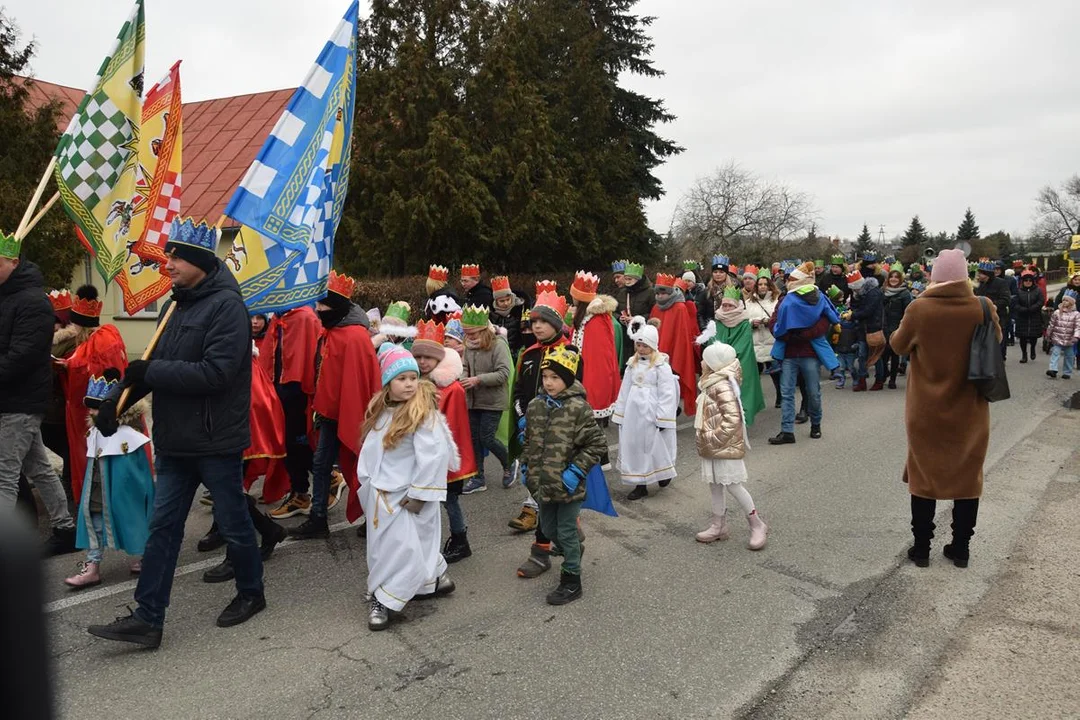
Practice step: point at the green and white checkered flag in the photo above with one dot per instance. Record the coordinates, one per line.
(97, 158)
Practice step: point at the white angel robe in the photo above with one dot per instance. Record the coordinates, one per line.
(403, 548)
(647, 404)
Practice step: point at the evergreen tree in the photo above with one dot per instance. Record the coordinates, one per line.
(28, 137)
(915, 235)
(968, 230)
(864, 243)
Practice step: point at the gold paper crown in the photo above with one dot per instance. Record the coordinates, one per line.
(561, 355)
(10, 247)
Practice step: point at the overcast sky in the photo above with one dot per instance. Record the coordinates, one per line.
(880, 109)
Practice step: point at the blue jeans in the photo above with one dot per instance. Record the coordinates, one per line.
(847, 364)
(326, 454)
(809, 368)
(483, 424)
(178, 478)
(1057, 352)
(863, 370)
(454, 513)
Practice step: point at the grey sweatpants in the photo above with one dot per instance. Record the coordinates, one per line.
(21, 450)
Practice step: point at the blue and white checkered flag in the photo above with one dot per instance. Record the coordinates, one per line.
(283, 195)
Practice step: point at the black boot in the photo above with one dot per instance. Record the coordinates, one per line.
(637, 493)
(271, 536)
(568, 591)
(922, 529)
(664, 483)
(211, 541)
(965, 513)
(815, 431)
(61, 542)
(241, 609)
(457, 547)
(783, 438)
(219, 573)
(314, 528)
(128, 629)
(802, 416)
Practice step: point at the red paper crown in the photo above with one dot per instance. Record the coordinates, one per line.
(752, 270)
(342, 285)
(546, 286)
(87, 308)
(470, 271)
(665, 280)
(854, 276)
(60, 299)
(552, 300)
(585, 286)
(430, 331)
(682, 284)
(500, 284)
(438, 273)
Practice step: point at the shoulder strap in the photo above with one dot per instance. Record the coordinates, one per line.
(986, 310)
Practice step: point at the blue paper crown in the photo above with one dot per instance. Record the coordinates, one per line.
(618, 266)
(889, 259)
(720, 260)
(870, 256)
(99, 387)
(787, 267)
(987, 266)
(187, 232)
(917, 285)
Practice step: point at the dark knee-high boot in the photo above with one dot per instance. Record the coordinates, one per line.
(964, 515)
(922, 529)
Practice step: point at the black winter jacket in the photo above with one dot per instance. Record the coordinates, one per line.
(895, 307)
(200, 372)
(637, 300)
(827, 280)
(511, 323)
(26, 331)
(480, 295)
(868, 308)
(1029, 317)
(997, 289)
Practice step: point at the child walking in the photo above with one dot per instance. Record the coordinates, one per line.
(1063, 332)
(407, 451)
(844, 340)
(118, 487)
(645, 414)
(562, 443)
(722, 443)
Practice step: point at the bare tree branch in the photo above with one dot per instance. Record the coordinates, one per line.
(1057, 212)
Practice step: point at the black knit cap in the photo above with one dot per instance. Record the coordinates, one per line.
(199, 257)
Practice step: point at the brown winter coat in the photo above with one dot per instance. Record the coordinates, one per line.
(948, 422)
(720, 435)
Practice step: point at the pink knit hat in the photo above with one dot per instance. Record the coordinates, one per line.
(949, 266)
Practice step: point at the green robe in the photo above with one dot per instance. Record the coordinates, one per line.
(741, 337)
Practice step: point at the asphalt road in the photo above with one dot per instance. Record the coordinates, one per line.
(828, 619)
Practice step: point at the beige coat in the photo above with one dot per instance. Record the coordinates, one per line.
(719, 423)
(948, 422)
(761, 309)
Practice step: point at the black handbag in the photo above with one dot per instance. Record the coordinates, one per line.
(986, 367)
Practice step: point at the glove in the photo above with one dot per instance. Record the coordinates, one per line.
(572, 477)
(412, 505)
(524, 474)
(105, 420)
(136, 372)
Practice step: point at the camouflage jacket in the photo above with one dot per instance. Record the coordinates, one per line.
(560, 431)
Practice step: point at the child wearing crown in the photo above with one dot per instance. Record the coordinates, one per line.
(595, 336)
(732, 327)
(117, 489)
(562, 443)
(677, 334)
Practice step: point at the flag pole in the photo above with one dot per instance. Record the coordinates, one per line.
(36, 199)
(154, 340)
(37, 218)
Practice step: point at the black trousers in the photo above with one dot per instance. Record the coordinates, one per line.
(298, 453)
(964, 515)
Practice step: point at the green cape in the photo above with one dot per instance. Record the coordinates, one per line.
(741, 337)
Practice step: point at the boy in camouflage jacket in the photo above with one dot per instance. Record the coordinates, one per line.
(562, 442)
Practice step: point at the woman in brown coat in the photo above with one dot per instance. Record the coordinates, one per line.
(722, 444)
(948, 422)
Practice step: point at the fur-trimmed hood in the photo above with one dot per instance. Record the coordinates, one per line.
(448, 370)
(602, 304)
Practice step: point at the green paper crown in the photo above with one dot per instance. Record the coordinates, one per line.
(833, 292)
(398, 310)
(898, 267)
(837, 260)
(733, 293)
(9, 247)
(690, 265)
(764, 273)
(819, 263)
(474, 316)
(635, 270)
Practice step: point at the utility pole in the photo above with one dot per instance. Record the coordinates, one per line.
(881, 237)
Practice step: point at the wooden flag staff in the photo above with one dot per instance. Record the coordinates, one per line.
(154, 340)
(38, 192)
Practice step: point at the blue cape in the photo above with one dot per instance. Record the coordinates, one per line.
(794, 313)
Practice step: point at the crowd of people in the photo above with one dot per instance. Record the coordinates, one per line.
(400, 409)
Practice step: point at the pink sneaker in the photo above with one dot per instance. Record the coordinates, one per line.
(758, 531)
(716, 531)
(87, 577)
(136, 566)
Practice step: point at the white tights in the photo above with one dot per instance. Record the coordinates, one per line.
(737, 490)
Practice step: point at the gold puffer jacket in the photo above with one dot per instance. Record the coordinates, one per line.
(719, 423)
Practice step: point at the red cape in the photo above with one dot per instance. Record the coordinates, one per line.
(348, 378)
(675, 342)
(691, 310)
(267, 448)
(300, 330)
(600, 374)
(104, 349)
(452, 405)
